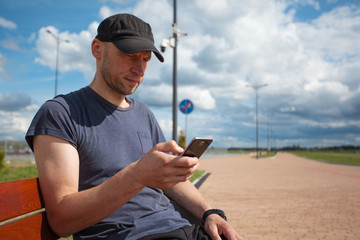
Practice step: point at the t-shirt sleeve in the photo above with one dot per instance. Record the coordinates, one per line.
(53, 118)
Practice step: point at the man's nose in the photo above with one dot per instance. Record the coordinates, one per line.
(139, 68)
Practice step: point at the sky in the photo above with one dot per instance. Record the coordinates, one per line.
(305, 54)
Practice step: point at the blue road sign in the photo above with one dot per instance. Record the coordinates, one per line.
(186, 106)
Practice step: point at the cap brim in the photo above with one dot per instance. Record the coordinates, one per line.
(133, 45)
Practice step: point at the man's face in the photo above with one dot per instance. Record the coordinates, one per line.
(123, 73)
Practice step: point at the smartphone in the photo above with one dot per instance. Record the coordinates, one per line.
(197, 147)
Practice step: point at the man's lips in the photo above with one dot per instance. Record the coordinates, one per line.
(133, 81)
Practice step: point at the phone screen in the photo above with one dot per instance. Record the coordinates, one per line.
(197, 147)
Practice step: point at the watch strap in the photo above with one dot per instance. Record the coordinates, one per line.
(213, 211)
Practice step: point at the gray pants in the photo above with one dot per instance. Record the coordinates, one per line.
(193, 232)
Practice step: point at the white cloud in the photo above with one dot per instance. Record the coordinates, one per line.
(213, 8)
(311, 68)
(288, 109)
(156, 95)
(10, 44)
(336, 89)
(3, 70)
(31, 38)
(312, 3)
(166, 126)
(106, 12)
(201, 98)
(337, 28)
(117, 1)
(161, 95)
(14, 124)
(7, 24)
(74, 50)
(258, 42)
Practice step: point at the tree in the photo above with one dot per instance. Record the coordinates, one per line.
(182, 139)
(2, 159)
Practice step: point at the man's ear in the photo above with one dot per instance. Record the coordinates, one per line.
(96, 48)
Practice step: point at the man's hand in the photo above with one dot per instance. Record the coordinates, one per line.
(161, 170)
(216, 226)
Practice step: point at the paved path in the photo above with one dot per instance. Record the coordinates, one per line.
(286, 197)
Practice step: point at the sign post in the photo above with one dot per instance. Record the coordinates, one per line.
(186, 107)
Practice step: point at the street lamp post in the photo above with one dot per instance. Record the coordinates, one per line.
(256, 88)
(174, 101)
(172, 42)
(267, 136)
(58, 41)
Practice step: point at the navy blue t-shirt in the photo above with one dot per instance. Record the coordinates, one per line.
(109, 138)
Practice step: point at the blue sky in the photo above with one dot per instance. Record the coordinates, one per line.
(306, 51)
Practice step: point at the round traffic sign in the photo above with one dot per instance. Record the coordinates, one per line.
(186, 106)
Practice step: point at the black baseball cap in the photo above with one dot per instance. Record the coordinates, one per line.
(129, 34)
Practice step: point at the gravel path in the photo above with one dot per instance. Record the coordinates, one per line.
(286, 197)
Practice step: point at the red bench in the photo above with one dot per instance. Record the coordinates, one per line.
(22, 212)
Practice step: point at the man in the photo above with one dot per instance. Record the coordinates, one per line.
(102, 159)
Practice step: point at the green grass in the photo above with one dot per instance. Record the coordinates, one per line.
(267, 155)
(238, 151)
(9, 173)
(343, 157)
(196, 175)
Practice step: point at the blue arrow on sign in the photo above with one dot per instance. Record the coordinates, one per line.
(186, 106)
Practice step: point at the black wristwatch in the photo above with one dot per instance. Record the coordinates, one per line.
(213, 211)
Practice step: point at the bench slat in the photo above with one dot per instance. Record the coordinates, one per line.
(34, 227)
(19, 197)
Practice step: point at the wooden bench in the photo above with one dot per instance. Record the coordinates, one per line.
(22, 212)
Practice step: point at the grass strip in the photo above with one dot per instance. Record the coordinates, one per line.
(196, 175)
(10, 173)
(342, 157)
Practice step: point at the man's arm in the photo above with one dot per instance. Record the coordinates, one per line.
(187, 195)
(70, 211)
